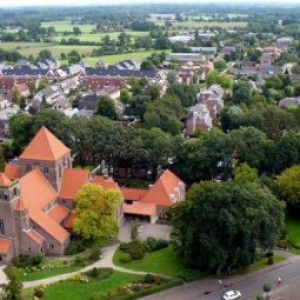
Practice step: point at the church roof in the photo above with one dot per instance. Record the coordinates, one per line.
(45, 146)
(4, 181)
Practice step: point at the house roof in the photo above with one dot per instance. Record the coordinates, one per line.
(140, 208)
(107, 183)
(4, 245)
(73, 180)
(4, 181)
(37, 193)
(45, 146)
(68, 222)
(133, 194)
(58, 213)
(160, 192)
(35, 236)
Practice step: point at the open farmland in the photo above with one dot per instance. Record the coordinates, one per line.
(62, 26)
(27, 48)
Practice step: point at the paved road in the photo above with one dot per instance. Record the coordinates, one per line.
(249, 285)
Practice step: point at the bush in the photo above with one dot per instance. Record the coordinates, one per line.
(124, 247)
(100, 273)
(190, 275)
(153, 244)
(149, 278)
(270, 260)
(125, 258)
(137, 250)
(27, 261)
(283, 244)
(39, 292)
(80, 261)
(75, 247)
(95, 254)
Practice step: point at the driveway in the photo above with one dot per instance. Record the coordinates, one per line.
(146, 230)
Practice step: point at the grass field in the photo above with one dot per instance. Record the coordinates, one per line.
(164, 261)
(293, 230)
(74, 290)
(97, 37)
(27, 48)
(61, 26)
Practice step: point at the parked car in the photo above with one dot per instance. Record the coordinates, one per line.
(232, 295)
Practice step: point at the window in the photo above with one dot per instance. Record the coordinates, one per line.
(2, 230)
(46, 169)
(59, 171)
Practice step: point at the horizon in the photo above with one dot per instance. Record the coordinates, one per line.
(82, 3)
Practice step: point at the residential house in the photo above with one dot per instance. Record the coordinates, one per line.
(185, 57)
(129, 64)
(5, 115)
(198, 118)
(152, 203)
(288, 102)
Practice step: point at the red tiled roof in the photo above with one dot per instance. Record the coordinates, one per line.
(4, 245)
(12, 171)
(133, 194)
(161, 190)
(108, 183)
(140, 208)
(4, 181)
(68, 222)
(37, 192)
(45, 146)
(35, 236)
(73, 180)
(58, 213)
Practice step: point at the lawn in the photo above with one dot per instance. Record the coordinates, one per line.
(74, 290)
(293, 229)
(164, 261)
(262, 263)
(58, 268)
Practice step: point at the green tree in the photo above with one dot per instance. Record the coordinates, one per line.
(243, 173)
(267, 289)
(2, 161)
(77, 30)
(106, 108)
(147, 65)
(288, 183)
(125, 96)
(45, 54)
(248, 215)
(220, 65)
(186, 93)
(96, 211)
(14, 286)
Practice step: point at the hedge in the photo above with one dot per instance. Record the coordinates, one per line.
(152, 290)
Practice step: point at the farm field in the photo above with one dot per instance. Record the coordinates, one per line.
(61, 26)
(97, 37)
(115, 58)
(27, 48)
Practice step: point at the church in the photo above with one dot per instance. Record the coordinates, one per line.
(37, 192)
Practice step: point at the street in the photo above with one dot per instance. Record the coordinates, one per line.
(249, 285)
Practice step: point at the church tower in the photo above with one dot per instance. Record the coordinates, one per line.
(47, 153)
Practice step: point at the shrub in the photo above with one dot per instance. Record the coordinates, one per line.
(125, 258)
(39, 292)
(124, 247)
(283, 244)
(75, 247)
(95, 254)
(270, 260)
(149, 278)
(27, 261)
(75, 277)
(137, 250)
(153, 244)
(190, 275)
(100, 273)
(79, 261)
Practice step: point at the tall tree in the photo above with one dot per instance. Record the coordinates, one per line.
(96, 211)
(106, 108)
(247, 215)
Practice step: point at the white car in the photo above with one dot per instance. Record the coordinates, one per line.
(232, 295)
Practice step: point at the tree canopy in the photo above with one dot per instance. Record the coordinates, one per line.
(96, 212)
(247, 215)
